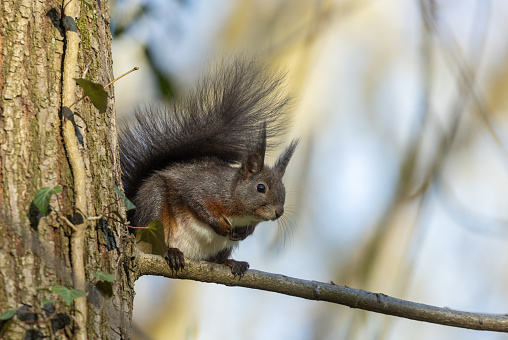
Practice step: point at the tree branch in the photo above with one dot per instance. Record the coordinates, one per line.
(313, 290)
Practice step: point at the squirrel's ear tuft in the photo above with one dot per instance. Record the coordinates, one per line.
(285, 157)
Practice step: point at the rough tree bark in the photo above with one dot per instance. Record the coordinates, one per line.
(35, 250)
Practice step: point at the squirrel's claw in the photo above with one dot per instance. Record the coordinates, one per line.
(174, 258)
(227, 221)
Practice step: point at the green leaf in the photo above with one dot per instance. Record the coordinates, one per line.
(46, 301)
(104, 276)
(128, 204)
(9, 314)
(42, 197)
(95, 92)
(105, 288)
(67, 294)
(153, 235)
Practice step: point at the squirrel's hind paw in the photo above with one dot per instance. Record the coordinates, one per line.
(174, 258)
(237, 267)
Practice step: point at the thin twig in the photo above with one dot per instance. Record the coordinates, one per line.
(123, 75)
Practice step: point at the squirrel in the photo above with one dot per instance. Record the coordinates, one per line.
(198, 164)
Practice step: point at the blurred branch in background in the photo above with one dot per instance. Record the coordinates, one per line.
(435, 30)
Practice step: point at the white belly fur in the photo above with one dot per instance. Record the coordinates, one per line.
(197, 240)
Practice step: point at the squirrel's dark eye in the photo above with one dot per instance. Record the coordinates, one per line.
(261, 188)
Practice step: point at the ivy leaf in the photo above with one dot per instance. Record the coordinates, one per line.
(153, 235)
(128, 204)
(42, 197)
(104, 276)
(9, 314)
(67, 294)
(109, 235)
(95, 92)
(46, 301)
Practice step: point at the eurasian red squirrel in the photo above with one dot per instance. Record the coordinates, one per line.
(197, 165)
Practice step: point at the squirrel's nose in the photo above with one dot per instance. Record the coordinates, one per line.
(279, 212)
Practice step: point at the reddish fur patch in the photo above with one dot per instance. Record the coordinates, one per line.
(167, 217)
(222, 209)
(218, 210)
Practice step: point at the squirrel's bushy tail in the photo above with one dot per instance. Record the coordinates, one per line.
(224, 117)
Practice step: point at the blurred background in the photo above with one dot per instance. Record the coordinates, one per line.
(399, 184)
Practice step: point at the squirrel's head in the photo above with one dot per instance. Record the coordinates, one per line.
(261, 186)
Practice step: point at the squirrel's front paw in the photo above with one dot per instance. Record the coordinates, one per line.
(174, 258)
(221, 226)
(240, 233)
(237, 267)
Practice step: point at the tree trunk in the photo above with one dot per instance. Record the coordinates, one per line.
(35, 249)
